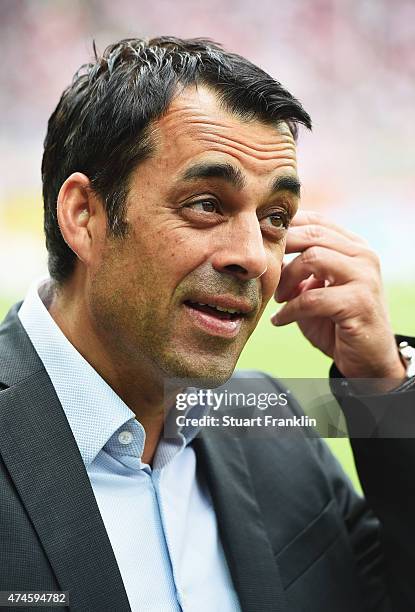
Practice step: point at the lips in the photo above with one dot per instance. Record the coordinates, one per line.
(215, 311)
(218, 315)
(222, 304)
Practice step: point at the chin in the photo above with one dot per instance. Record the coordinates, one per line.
(207, 372)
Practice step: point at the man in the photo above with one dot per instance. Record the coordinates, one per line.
(170, 181)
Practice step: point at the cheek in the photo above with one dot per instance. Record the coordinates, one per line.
(178, 254)
(270, 283)
(271, 278)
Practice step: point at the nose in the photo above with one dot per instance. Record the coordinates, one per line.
(241, 251)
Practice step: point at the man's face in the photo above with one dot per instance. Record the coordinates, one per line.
(208, 215)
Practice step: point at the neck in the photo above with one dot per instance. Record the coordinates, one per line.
(137, 384)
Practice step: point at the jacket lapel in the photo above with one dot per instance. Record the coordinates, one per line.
(43, 459)
(247, 548)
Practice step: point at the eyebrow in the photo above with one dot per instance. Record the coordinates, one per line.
(286, 183)
(226, 172)
(234, 176)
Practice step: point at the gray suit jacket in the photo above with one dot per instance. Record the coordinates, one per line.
(295, 534)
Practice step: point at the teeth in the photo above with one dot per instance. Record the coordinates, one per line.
(230, 310)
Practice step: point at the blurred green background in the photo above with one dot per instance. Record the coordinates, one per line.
(285, 353)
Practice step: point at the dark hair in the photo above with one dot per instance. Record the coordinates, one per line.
(102, 123)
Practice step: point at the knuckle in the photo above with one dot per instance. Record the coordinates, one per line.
(309, 299)
(353, 327)
(362, 303)
(311, 255)
(372, 282)
(365, 304)
(314, 232)
(372, 256)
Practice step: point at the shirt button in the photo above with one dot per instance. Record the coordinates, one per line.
(125, 437)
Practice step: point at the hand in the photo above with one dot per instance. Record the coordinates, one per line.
(334, 292)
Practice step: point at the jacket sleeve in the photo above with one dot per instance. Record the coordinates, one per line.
(381, 526)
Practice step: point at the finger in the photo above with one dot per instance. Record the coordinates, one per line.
(309, 283)
(311, 217)
(304, 236)
(324, 264)
(327, 302)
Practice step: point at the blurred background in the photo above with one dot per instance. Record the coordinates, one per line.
(350, 62)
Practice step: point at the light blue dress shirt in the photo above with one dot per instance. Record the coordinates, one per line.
(160, 520)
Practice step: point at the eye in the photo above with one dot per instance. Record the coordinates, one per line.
(278, 220)
(207, 206)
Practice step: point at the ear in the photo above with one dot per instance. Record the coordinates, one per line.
(81, 217)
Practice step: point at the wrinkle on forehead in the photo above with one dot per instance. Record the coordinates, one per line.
(196, 120)
(282, 149)
(197, 116)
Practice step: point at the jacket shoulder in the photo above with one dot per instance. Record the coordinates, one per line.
(18, 358)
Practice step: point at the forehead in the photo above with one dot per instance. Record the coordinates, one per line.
(197, 127)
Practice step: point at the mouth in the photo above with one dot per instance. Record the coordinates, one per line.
(219, 317)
